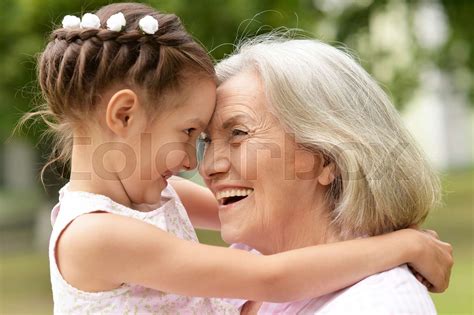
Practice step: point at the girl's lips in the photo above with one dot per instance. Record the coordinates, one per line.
(167, 175)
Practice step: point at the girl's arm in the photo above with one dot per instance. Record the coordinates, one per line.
(200, 203)
(202, 208)
(101, 249)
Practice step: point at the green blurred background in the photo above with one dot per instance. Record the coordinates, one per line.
(421, 51)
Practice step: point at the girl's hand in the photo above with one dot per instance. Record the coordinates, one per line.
(433, 260)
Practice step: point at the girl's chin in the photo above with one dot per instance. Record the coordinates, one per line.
(162, 182)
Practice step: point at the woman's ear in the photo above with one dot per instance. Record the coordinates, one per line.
(328, 172)
(123, 112)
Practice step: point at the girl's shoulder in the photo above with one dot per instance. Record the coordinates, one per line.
(93, 236)
(116, 262)
(170, 215)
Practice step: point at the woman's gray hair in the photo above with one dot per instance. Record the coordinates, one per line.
(334, 107)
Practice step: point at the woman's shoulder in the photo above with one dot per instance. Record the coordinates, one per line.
(395, 291)
(398, 279)
(394, 288)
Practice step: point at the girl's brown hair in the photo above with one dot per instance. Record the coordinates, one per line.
(78, 65)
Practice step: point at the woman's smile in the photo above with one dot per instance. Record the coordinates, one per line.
(231, 203)
(232, 195)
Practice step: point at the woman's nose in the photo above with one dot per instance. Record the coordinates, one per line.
(215, 161)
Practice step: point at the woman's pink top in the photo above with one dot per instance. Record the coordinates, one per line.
(393, 292)
(129, 298)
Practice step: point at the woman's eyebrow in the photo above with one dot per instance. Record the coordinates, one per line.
(234, 120)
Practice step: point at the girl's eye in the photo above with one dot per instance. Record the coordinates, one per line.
(204, 138)
(239, 133)
(189, 131)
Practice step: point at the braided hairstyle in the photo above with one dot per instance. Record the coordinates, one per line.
(78, 65)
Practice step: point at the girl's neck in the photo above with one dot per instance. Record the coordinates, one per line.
(100, 175)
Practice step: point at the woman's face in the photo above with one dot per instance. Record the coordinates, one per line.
(267, 187)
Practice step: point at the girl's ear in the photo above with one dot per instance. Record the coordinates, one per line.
(123, 112)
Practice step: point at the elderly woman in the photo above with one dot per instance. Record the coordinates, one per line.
(304, 148)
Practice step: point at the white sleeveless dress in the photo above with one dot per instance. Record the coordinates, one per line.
(128, 299)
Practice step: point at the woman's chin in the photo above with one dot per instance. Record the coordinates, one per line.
(229, 235)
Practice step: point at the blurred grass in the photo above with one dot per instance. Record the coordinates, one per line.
(454, 222)
(25, 286)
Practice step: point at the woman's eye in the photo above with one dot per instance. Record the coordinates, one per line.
(202, 143)
(238, 133)
(204, 138)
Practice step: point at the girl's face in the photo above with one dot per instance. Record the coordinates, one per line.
(174, 133)
(168, 143)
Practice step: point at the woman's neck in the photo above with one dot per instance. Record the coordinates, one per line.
(311, 227)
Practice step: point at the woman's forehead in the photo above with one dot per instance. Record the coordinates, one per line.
(241, 95)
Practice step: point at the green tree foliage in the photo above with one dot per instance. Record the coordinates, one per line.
(219, 24)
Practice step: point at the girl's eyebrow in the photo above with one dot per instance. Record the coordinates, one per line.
(197, 121)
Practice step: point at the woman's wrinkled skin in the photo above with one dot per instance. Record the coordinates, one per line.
(248, 147)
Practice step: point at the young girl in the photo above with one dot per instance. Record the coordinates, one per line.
(130, 91)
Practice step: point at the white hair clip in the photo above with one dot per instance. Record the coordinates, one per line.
(148, 25)
(116, 22)
(90, 20)
(71, 21)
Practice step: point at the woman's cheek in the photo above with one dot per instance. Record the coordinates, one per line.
(246, 160)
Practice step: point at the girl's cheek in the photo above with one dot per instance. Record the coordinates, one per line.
(170, 159)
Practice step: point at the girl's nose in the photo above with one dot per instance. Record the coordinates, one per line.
(190, 161)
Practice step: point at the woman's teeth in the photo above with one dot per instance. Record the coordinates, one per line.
(232, 195)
